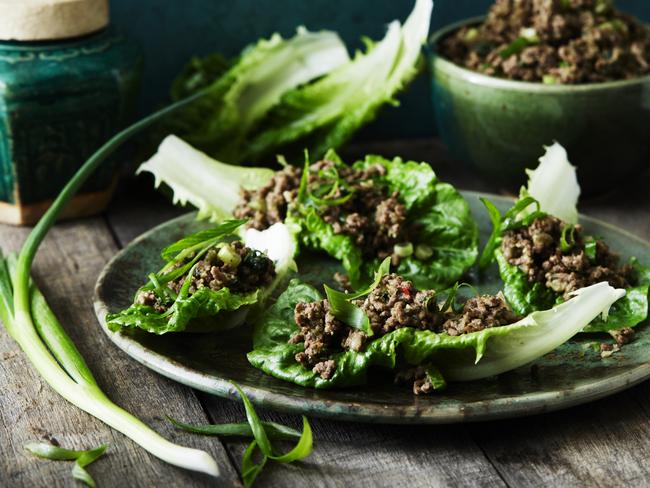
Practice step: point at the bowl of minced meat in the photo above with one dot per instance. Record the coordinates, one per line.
(532, 72)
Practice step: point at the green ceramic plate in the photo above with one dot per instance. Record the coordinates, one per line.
(572, 374)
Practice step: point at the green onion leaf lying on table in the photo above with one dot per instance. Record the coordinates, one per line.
(262, 433)
(81, 458)
(242, 429)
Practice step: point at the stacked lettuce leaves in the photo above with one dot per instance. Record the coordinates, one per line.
(285, 95)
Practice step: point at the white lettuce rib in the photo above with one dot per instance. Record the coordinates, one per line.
(535, 335)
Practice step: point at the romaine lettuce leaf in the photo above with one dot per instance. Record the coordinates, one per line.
(324, 114)
(235, 100)
(525, 297)
(443, 219)
(199, 312)
(554, 184)
(460, 358)
(209, 185)
(553, 189)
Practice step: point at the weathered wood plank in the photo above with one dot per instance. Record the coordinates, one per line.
(347, 454)
(66, 268)
(604, 443)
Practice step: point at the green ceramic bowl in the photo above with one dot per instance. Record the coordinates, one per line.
(498, 126)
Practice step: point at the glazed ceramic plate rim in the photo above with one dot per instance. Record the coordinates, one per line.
(506, 406)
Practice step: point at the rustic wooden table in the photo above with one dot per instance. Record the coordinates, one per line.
(604, 443)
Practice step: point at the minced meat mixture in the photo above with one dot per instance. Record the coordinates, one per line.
(364, 209)
(537, 251)
(393, 304)
(243, 270)
(553, 41)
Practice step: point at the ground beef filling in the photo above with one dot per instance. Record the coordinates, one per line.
(537, 251)
(554, 41)
(233, 266)
(364, 209)
(394, 304)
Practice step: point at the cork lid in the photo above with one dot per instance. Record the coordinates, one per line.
(40, 20)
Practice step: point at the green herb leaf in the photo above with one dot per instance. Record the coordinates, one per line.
(250, 470)
(273, 430)
(200, 240)
(255, 423)
(517, 216)
(349, 313)
(302, 449)
(493, 241)
(516, 46)
(567, 238)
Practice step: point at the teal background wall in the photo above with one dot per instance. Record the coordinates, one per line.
(171, 31)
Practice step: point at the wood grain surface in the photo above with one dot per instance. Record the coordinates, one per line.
(605, 443)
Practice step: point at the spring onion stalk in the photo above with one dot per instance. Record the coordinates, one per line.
(34, 327)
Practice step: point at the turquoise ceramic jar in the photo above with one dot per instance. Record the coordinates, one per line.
(498, 126)
(59, 102)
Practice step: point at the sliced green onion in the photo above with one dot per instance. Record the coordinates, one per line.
(567, 238)
(229, 256)
(81, 458)
(403, 250)
(423, 252)
(549, 80)
(590, 249)
(471, 34)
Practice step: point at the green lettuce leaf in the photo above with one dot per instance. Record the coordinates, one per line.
(630, 310)
(205, 310)
(443, 218)
(194, 178)
(441, 215)
(237, 98)
(324, 114)
(199, 312)
(459, 358)
(525, 297)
